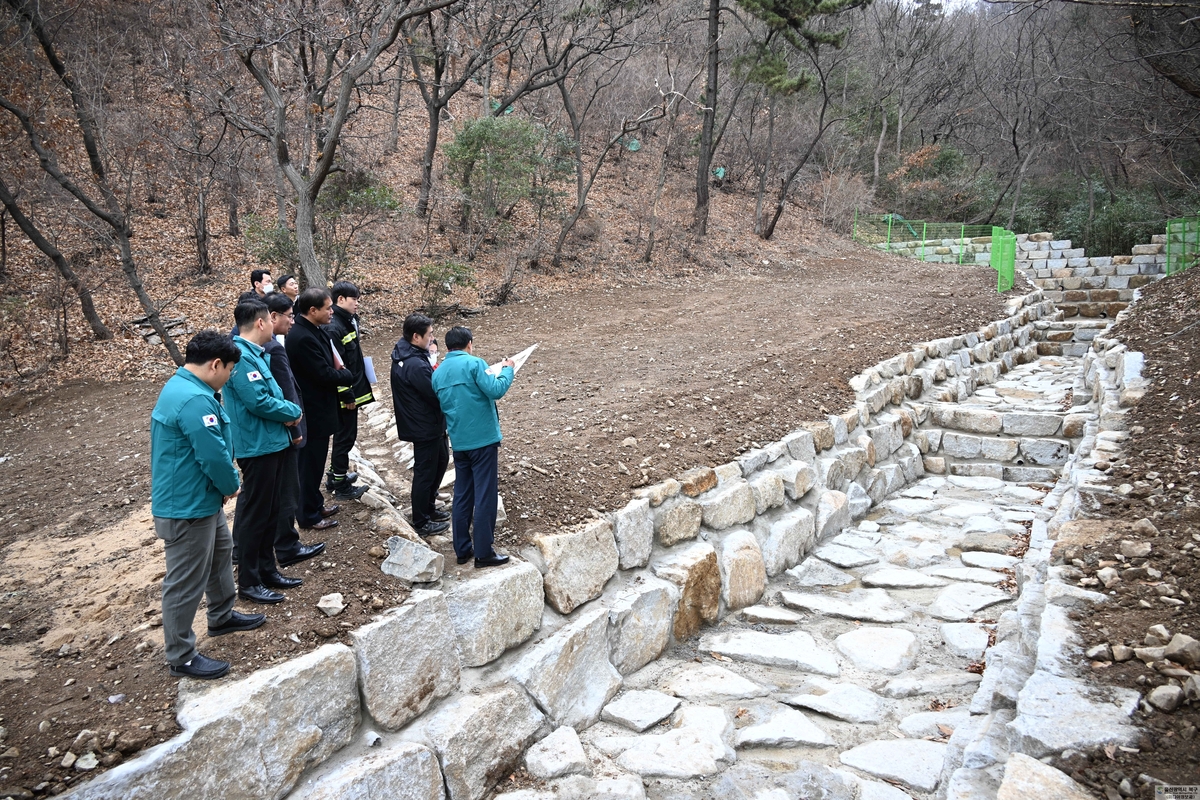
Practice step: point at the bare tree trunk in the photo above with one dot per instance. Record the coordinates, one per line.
(672, 115)
(1012, 213)
(232, 190)
(99, 329)
(704, 162)
(314, 273)
(281, 193)
(201, 231)
(431, 141)
(878, 150)
(393, 138)
(4, 243)
(766, 167)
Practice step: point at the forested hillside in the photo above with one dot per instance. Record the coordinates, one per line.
(464, 152)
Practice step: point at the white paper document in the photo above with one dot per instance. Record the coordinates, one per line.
(519, 359)
(369, 364)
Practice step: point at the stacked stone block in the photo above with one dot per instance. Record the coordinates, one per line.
(969, 250)
(1098, 287)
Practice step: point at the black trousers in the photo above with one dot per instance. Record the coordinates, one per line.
(311, 469)
(473, 515)
(257, 514)
(343, 440)
(287, 538)
(430, 459)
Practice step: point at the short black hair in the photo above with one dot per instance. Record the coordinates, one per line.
(210, 344)
(416, 325)
(256, 275)
(278, 303)
(248, 311)
(343, 289)
(313, 297)
(250, 295)
(289, 277)
(458, 337)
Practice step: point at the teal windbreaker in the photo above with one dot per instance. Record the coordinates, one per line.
(191, 450)
(468, 398)
(256, 405)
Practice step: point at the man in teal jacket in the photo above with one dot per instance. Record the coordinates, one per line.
(261, 417)
(468, 395)
(191, 475)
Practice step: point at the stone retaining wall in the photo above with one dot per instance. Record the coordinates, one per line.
(470, 675)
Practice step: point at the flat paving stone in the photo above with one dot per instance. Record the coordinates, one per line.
(887, 650)
(794, 650)
(708, 681)
(929, 683)
(916, 763)
(931, 723)
(856, 539)
(845, 557)
(976, 483)
(969, 574)
(867, 605)
(815, 572)
(901, 578)
(912, 507)
(975, 558)
(787, 727)
(842, 701)
(639, 710)
(966, 639)
(961, 601)
(965, 510)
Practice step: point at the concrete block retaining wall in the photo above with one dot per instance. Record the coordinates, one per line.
(470, 674)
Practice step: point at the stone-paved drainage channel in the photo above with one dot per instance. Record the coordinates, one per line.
(859, 674)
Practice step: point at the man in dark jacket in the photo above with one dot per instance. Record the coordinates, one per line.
(419, 420)
(289, 549)
(343, 330)
(311, 356)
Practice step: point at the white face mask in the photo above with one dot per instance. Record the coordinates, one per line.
(268, 287)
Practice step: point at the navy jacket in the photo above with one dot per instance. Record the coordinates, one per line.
(281, 369)
(419, 415)
(311, 356)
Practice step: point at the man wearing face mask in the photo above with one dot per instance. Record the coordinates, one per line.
(261, 283)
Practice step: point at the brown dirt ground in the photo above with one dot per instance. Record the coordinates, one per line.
(1160, 463)
(710, 366)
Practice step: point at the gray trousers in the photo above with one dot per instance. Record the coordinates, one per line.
(199, 561)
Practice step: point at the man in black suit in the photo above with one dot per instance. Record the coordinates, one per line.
(289, 549)
(311, 355)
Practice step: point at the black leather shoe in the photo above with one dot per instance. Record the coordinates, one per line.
(466, 558)
(494, 560)
(260, 594)
(273, 580)
(237, 622)
(305, 552)
(440, 516)
(329, 511)
(431, 527)
(201, 667)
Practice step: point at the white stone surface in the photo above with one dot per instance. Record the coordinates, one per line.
(929, 683)
(560, 753)
(965, 639)
(407, 659)
(901, 578)
(768, 491)
(695, 571)
(787, 539)
(247, 738)
(577, 564)
(786, 728)
(412, 562)
(867, 605)
(833, 514)
(710, 682)
(845, 557)
(478, 737)
(569, 673)
(916, 763)
(639, 623)
(975, 558)
(1056, 713)
(633, 532)
(932, 723)
(961, 601)
(402, 770)
(1026, 778)
(889, 651)
(639, 710)
(697, 747)
(815, 572)
(969, 574)
(842, 701)
(770, 615)
(728, 505)
(794, 650)
(495, 609)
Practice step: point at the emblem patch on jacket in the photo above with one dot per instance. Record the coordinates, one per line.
(254, 375)
(210, 420)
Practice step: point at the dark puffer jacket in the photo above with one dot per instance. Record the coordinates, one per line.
(343, 330)
(419, 416)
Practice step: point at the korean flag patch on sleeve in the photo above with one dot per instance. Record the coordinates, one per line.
(254, 375)
(210, 420)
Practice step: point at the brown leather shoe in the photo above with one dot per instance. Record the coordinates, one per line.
(323, 525)
(329, 511)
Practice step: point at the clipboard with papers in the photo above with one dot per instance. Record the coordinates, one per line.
(519, 359)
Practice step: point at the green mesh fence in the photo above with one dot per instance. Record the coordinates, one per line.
(941, 242)
(1182, 246)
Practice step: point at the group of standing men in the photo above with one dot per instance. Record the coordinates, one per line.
(294, 377)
